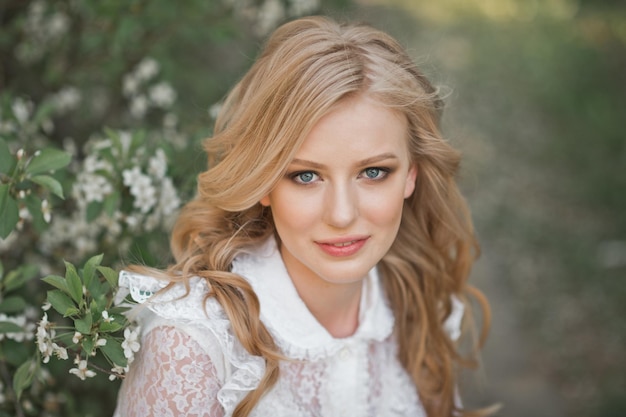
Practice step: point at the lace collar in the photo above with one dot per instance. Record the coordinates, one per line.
(294, 328)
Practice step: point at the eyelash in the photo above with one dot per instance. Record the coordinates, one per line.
(383, 173)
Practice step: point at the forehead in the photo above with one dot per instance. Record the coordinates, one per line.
(357, 126)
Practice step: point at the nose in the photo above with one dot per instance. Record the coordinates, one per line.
(341, 206)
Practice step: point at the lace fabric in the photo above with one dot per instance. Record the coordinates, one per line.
(171, 376)
(356, 376)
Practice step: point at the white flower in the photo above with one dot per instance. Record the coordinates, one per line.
(162, 95)
(138, 107)
(168, 200)
(141, 189)
(106, 317)
(45, 210)
(125, 139)
(131, 343)
(24, 213)
(117, 372)
(22, 109)
(157, 165)
(131, 85)
(59, 351)
(132, 221)
(21, 321)
(57, 25)
(44, 338)
(170, 120)
(214, 110)
(270, 13)
(77, 337)
(147, 69)
(82, 372)
(66, 99)
(101, 342)
(91, 187)
(302, 7)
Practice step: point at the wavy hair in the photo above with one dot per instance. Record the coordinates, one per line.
(306, 68)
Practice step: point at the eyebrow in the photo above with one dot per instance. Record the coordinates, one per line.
(366, 161)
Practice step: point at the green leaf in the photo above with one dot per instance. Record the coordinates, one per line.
(9, 213)
(114, 351)
(111, 326)
(118, 310)
(10, 327)
(83, 325)
(74, 284)
(43, 111)
(7, 161)
(72, 311)
(58, 282)
(110, 275)
(95, 288)
(12, 304)
(111, 202)
(33, 202)
(60, 302)
(94, 209)
(48, 160)
(18, 277)
(49, 183)
(88, 344)
(24, 377)
(15, 353)
(90, 268)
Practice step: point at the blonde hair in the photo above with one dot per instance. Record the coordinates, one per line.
(306, 68)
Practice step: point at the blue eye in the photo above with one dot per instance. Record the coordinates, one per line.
(375, 173)
(305, 177)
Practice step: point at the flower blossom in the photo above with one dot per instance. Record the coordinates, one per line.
(147, 69)
(26, 334)
(81, 371)
(45, 211)
(162, 95)
(139, 107)
(131, 343)
(117, 372)
(106, 317)
(141, 188)
(22, 109)
(66, 99)
(44, 338)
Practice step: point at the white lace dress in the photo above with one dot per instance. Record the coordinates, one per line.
(191, 364)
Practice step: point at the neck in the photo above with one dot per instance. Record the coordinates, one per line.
(335, 307)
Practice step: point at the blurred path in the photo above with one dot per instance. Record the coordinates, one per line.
(512, 372)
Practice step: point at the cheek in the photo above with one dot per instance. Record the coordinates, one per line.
(384, 209)
(293, 212)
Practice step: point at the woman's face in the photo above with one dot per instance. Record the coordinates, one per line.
(338, 208)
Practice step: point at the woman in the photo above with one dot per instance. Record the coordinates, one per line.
(322, 267)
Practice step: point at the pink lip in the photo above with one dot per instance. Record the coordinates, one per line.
(344, 246)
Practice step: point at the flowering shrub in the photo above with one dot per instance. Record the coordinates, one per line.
(97, 151)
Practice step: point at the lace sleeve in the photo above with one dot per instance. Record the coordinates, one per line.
(171, 376)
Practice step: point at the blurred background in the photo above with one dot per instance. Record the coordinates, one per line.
(536, 100)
